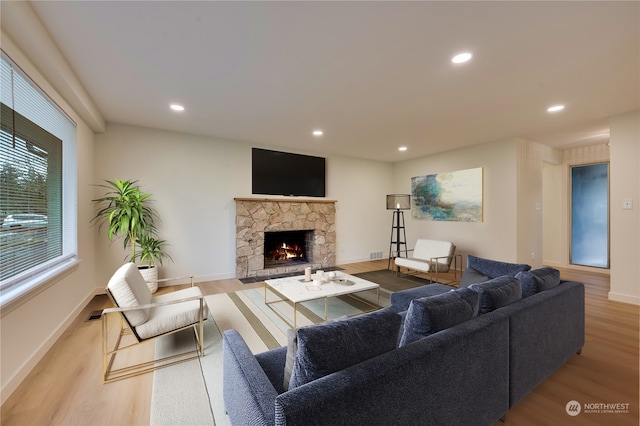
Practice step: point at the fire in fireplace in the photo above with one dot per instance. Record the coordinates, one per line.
(286, 247)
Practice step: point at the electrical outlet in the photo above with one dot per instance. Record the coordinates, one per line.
(627, 204)
(533, 255)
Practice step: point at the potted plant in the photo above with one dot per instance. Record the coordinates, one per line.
(151, 251)
(126, 212)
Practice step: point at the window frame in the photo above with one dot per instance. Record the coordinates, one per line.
(39, 108)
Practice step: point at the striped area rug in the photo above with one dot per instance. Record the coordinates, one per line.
(263, 329)
(191, 393)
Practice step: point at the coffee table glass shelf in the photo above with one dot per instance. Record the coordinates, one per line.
(296, 291)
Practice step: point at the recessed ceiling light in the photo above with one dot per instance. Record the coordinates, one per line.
(177, 107)
(462, 57)
(402, 148)
(555, 108)
(318, 133)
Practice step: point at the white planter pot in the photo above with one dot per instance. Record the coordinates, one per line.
(150, 275)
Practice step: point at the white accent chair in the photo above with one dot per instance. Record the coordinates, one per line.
(432, 257)
(145, 317)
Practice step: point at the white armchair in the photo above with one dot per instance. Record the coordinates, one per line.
(432, 257)
(146, 317)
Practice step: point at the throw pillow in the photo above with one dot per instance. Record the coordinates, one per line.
(538, 280)
(429, 315)
(333, 346)
(471, 276)
(497, 293)
(292, 349)
(494, 268)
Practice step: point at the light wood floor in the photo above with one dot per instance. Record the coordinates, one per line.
(65, 387)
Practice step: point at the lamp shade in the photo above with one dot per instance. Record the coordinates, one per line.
(398, 202)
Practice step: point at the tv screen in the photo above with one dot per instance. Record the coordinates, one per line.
(284, 173)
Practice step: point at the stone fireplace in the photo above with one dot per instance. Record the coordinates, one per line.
(312, 220)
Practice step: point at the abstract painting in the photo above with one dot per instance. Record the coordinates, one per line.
(453, 196)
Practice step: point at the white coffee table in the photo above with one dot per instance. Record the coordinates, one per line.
(296, 290)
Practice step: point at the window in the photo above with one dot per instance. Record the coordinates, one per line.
(590, 215)
(37, 185)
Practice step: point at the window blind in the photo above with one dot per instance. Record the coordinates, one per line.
(37, 184)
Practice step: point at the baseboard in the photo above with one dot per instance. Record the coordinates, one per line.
(13, 383)
(624, 298)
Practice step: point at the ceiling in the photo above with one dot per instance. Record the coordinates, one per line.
(372, 75)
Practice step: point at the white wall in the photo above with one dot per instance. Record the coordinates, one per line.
(554, 212)
(194, 180)
(31, 326)
(363, 223)
(529, 202)
(496, 237)
(625, 224)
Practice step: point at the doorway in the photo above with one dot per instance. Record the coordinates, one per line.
(590, 215)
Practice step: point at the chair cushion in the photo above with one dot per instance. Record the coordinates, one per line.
(426, 249)
(471, 276)
(128, 288)
(429, 315)
(333, 346)
(494, 268)
(163, 319)
(497, 293)
(538, 280)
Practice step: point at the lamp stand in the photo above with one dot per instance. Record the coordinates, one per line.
(397, 238)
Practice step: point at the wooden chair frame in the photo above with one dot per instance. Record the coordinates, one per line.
(108, 354)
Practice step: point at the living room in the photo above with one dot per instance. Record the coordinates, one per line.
(195, 178)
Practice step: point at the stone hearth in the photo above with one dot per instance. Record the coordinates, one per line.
(254, 216)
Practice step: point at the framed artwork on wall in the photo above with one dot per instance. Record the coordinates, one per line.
(452, 196)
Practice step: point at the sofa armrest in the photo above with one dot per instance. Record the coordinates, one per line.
(273, 362)
(545, 330)
(247, 391)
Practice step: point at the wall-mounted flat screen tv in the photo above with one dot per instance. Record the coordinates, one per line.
(284, 173)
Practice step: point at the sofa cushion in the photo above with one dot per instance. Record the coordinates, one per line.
(400, 300)
(429, 315)
(497, 293)
(292, 349)
(333, 346)
(471, 276)
(538, 280)
(494, 268)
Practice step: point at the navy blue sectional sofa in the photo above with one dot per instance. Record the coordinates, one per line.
(465, 356)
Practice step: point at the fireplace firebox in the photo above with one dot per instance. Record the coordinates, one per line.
(287, 247)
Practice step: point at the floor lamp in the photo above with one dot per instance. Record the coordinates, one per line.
(398, 203)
